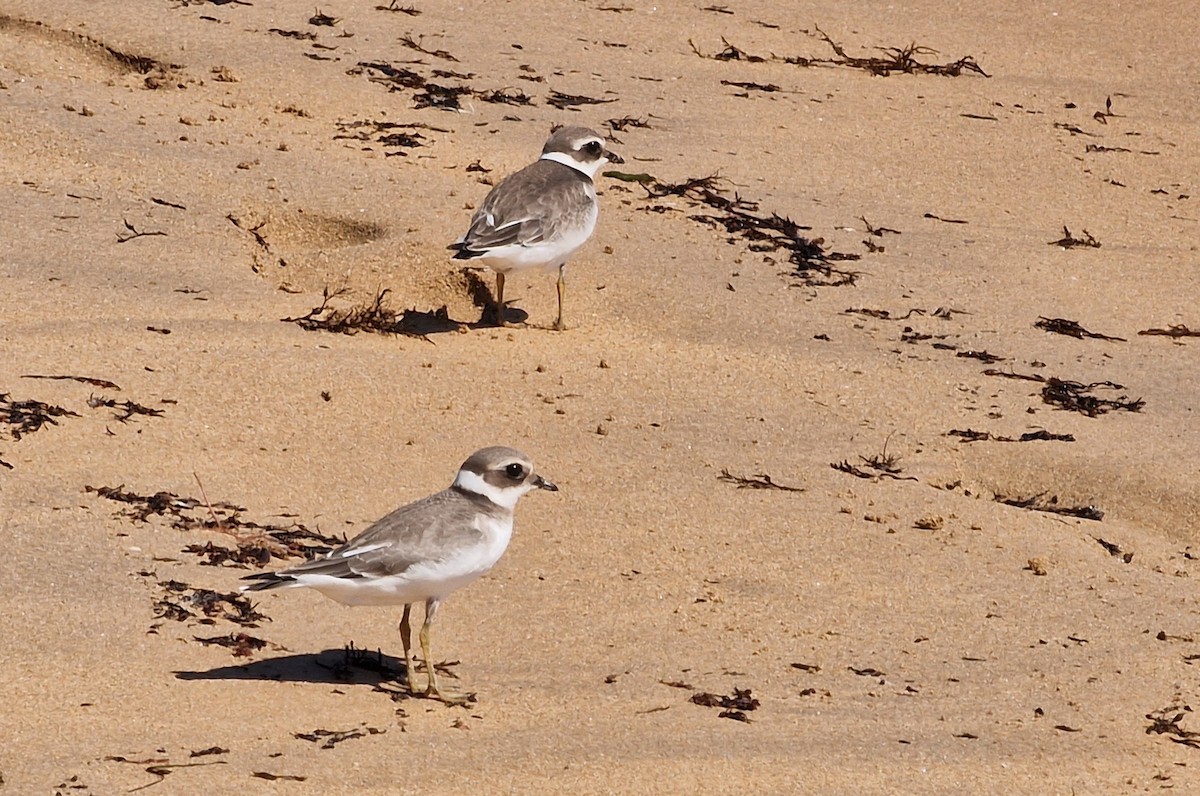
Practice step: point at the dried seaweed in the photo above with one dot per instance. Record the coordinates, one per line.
(756, 481)
(564, 101)
(133, 232)
(241, 645)
(373, 317)
(625, 122)
(160, 767)
(102, 383)
(255, 543)
(300, 35)
(733, 706)
(1162, 722)
(767, 88)
(181, 602)
(124, 410)
(504, 96)
(394, 136)
(412, 12)
(970, 435)
(331, 738)
(412, 44)
(322, 20)
(1174, 330)
(1069, 241)
(943, 313)
(764, 233)
(258, 238)
(435, 95)
(295, 777)
(1071, 329)
(903, 60)
(26, 417)
(982, 356)
(1040, 502)
(1074, 396)
(1114, 549)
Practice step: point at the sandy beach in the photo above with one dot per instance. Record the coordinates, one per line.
(875, 423)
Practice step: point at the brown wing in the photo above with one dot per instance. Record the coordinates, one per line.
(432, 528)
(525, 208)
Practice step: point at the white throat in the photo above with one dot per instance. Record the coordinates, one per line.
(589, 169)
(504, 498)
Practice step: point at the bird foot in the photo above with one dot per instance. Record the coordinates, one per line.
(448, 697)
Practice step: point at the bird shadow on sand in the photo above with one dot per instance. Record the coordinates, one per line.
(347, 666)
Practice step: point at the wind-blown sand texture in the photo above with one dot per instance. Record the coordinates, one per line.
(179, 176)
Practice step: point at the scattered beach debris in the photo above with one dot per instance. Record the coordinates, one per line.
(101, 383)
(983, 356)
(373, 317)
(901, 60)
(286, 777)
(435, 95)
(409, 10)
(160, 767)
(564, 101)
(971, 435)
(124, 410)
(1071, 329)
(1076, 397)
(1050, 505)
(1069, 241)
(259, 239)
(734, 706)
(256, 543)
(1114, 549)
(242, 645)
(883, 465)
(133, 232)
(1174, 330)
(331, 738)
(393, 136)
(179, 598)
(1165, 721)
(28, 416)
(740, 218)
(942, 313)
(756, 481)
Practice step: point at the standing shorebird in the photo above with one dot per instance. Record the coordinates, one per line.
(541, 215)
(425, 550)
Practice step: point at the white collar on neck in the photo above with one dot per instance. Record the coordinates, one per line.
(587, 169)
(473, 482)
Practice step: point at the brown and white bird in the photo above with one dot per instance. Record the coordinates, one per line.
(423, 551)
(539, 216)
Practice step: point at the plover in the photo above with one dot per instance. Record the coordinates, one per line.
(425, 550)
(541, 215)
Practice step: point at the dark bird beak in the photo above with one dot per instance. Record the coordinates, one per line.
(542, 483)
(613, 157)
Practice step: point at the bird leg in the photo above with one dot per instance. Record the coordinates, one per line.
(431, 606)
(500, 299)
(562, 289)
(406, 641)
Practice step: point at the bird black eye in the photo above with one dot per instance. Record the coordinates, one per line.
(515, 471)
(593, 147)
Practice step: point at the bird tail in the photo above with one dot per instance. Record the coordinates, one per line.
(262, 581)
